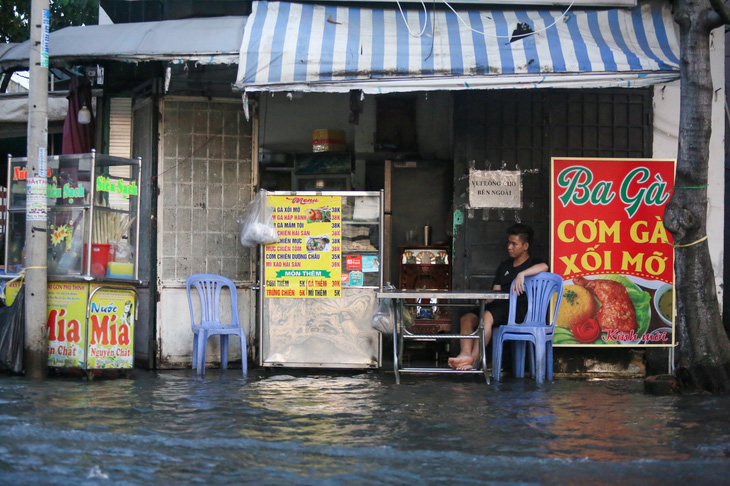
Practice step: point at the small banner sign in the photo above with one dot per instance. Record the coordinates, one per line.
(495, 189)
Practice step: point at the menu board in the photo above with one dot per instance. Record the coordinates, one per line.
(610, 247)
(306, 262)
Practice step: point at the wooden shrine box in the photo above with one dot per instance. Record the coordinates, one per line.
(426, 267)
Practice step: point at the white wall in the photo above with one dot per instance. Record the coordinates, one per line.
(286, 125)
(175, 336)
(666, 130)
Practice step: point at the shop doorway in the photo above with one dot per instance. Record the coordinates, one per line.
(418, 193)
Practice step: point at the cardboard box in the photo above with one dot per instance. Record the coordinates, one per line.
(328, 140)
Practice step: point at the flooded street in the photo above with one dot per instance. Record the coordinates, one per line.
(175, 428)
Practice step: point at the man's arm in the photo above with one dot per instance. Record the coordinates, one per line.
(519, 284)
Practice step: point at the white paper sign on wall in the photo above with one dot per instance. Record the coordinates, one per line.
(495, 189)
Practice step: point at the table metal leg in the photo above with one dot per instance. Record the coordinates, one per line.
(396, 343)
(401, 335)
(482, 344)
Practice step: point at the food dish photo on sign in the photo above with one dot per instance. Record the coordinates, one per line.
(319, 215)
(610, 246)
(614, 309)
(319, 243)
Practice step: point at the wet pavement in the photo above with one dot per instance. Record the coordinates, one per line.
(172, 427)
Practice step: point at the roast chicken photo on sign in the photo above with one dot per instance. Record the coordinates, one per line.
(617, 310)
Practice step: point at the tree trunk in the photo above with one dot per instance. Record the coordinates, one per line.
(704, 348)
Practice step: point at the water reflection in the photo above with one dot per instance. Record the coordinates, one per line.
(633, 424)
(174, 427)
(317, 410)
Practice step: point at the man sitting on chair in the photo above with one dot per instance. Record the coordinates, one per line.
(516, 268)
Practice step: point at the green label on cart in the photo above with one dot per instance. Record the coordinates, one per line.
(106, 184)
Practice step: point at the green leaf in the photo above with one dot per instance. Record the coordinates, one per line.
(564, 336)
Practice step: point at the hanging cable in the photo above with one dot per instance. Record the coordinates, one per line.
(406, 21)
(508, 36)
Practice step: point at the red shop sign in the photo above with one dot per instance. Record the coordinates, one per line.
(607, 227)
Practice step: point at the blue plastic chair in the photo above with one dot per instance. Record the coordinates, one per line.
(209, 287)
(535, 329)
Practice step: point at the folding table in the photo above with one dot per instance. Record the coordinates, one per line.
(446, 298)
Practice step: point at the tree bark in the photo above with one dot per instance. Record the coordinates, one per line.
(704, 348)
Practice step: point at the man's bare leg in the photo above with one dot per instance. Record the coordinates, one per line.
(488, 323)
(469, 347)
(468, 323)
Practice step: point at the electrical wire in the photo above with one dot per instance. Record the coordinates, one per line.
(509, 36)
(406, 21)
(469, 27)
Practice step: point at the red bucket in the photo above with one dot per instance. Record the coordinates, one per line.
(99, 258)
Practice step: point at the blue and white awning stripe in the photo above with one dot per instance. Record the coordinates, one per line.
(291, 46)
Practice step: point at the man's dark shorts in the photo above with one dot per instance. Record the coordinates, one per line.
(499, 310)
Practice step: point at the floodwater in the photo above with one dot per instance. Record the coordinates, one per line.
(172, 427)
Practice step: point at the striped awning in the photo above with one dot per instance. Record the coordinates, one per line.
(307, 47)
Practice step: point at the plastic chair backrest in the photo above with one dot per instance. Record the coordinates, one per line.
(209, 288)
(539, 290)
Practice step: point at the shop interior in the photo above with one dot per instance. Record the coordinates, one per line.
(398, 143)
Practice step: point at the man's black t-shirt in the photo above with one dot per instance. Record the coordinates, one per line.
(505, 275)
(507, 272)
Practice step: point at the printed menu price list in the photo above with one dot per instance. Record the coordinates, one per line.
(305, 263)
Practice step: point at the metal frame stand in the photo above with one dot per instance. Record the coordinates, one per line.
(444, 298)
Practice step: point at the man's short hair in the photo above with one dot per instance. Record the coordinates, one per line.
(523, 231)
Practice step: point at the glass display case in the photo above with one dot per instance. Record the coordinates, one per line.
(93, 233)
(93, 206)
(361, 240)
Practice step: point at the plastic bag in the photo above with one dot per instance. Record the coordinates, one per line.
(122, 251)
(12, 334)
(383, 317)
(256, 225)
(405, 313)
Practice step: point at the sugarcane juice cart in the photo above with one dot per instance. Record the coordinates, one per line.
(93, 234)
